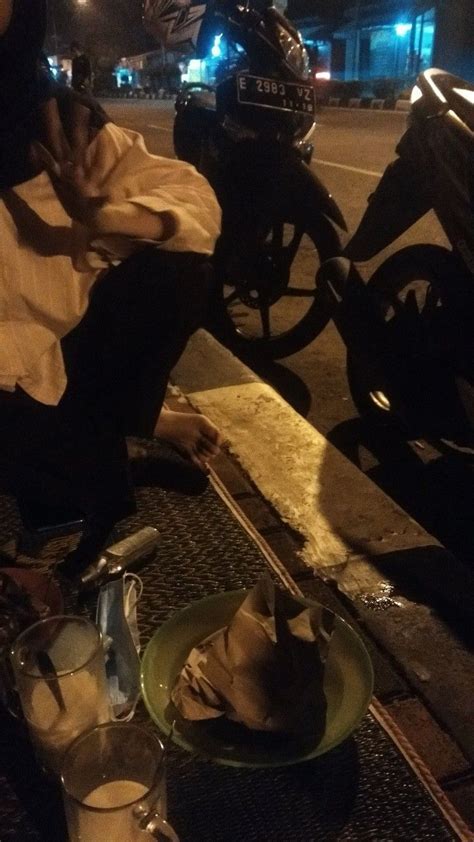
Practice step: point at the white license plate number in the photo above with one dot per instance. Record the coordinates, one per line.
(271, 93)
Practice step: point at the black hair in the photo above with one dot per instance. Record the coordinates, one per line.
(27, 81)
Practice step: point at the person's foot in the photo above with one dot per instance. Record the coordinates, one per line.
(195, 436)
(97, 535)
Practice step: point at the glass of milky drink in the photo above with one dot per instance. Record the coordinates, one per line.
(114, 786)
(59, 671)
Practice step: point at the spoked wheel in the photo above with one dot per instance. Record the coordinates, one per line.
(270, 307)
(416, 387)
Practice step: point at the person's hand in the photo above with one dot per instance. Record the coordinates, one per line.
(76, 184)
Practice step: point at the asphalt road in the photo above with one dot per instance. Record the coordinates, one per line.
(352, 149)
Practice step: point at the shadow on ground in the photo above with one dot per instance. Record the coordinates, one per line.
(438, 494)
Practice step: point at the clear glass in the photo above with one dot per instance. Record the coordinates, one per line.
(59, 671)
(114, 786)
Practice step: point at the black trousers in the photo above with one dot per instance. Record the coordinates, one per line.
(118, 359)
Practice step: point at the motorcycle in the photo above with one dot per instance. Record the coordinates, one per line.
(409, 330)
(250, 136)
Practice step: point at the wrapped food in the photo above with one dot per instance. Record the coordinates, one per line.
(265, 669)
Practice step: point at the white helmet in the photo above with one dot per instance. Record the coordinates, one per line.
(174, 22)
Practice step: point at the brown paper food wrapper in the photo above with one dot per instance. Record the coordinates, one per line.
(265, 669)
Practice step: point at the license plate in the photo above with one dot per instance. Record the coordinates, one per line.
(271, 93)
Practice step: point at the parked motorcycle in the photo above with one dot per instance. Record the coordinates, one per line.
(409, 331)
(250, 136)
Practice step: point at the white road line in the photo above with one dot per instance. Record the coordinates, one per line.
(346, 167)
(160, 128)
(316, 160)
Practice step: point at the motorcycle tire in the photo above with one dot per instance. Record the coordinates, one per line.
(186, 142)
(416, 393)
(295, 313)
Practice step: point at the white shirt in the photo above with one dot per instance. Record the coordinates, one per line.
(48, 263)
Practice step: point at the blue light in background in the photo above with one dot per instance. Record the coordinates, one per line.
(216, 47)
(402, 29)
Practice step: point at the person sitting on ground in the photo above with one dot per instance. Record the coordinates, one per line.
(104, 275)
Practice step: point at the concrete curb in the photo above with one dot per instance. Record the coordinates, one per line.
(268, 437)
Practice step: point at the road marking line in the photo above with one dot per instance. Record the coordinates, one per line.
(159, 128)
(346, 167)
(316, 160)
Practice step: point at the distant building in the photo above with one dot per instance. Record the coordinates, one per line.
(394, 38)
(168, 69)
(381, 40)
(147, 71)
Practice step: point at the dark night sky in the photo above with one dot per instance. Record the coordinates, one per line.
(323, 9)
(107, 28)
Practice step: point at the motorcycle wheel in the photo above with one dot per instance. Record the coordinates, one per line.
(278, 312)
(417, 390)
(186, 142)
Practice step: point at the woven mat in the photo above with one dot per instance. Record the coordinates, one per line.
(363, 790)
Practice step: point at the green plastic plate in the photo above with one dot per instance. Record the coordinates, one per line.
(348, 686)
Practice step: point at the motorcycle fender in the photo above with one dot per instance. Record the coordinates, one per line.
(312, 195)
(399, 200)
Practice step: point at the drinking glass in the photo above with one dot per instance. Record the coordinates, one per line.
(114, 786)
(59, 671)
